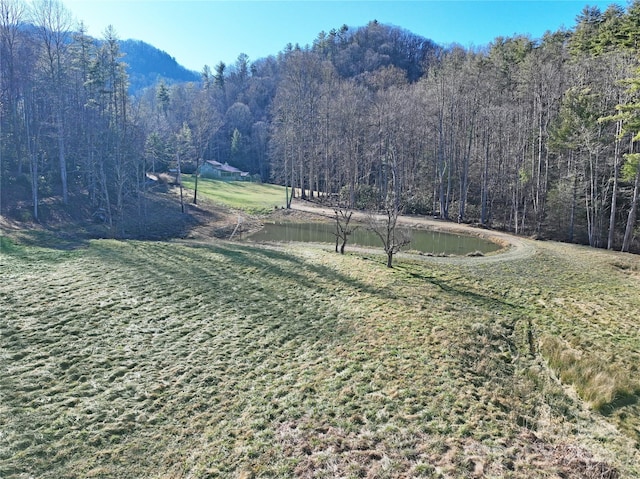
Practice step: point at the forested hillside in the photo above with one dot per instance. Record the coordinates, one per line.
(146, 66)
(534, 136)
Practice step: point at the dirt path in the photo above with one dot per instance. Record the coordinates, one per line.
(514, 247)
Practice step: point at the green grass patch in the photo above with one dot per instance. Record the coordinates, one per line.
(254, 198)
(143, 359)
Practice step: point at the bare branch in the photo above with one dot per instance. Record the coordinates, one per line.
(343, 227)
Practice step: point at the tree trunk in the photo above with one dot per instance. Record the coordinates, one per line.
(614, 193)
(195, 188)
(515, 206)
(34, 185)
(179, 180)
(62, 158)
(287, 196)
(464, 183)
(485, 182)
(106, 196)
(33, 160)
(303, 193)
(631, 219)
(572, 218)
(464, 179)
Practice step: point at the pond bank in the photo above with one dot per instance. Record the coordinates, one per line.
(514, 247)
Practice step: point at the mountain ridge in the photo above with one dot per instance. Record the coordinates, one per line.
(147, 64)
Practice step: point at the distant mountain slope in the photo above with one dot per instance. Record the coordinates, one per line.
(147, 64)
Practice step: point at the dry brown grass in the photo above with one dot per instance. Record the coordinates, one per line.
(597, 381)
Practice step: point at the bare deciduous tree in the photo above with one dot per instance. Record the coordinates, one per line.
(205, 121)
(385, 226)
(344, 227)
(53, 22)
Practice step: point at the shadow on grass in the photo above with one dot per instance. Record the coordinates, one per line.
(298, 270)
(22, 245)
(179, 263)
(237, 285)
(622, 399)
(484, 300)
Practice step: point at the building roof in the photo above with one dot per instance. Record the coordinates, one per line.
(226, 167)
(230, 169)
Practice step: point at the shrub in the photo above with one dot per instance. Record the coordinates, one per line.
(365, 197)
(419, 205)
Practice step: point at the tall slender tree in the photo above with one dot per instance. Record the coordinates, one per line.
(53, 23)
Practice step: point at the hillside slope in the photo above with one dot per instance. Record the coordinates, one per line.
(215, 359)
(146, 65)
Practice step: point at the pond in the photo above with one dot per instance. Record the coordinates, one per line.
(425, 241)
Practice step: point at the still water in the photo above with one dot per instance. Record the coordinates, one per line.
(426, 241)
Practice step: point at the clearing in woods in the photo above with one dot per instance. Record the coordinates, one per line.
(253, 198)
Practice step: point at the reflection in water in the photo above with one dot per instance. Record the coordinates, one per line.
(426, 241)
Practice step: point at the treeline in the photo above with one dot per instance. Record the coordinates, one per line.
(534, 136)
(68, 128)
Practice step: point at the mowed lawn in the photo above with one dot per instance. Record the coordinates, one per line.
(254, 198)
(156, 360)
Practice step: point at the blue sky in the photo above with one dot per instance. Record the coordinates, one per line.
(199, 32)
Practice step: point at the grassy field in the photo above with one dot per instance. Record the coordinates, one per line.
(254, 198)
(177, 360)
